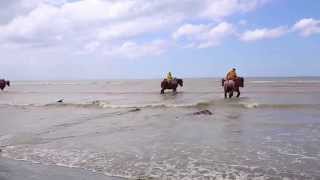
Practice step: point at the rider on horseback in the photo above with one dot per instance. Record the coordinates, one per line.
(169, 77)
(232, 75)
(171, 83)
(232, 83)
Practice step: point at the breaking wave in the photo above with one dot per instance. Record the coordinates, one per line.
(278, 106)
(176, 166)
(107, 105)
(202, 104)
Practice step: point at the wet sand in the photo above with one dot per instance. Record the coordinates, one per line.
(18, 170)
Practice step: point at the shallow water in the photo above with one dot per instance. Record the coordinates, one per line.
(127, 129)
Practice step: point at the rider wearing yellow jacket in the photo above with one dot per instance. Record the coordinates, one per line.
(169, 77)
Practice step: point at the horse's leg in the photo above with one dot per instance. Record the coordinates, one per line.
(174, 90)
(230, 94)
(238, 95)
(162, 91)
(225, 93)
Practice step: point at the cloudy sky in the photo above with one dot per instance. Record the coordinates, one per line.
(104, 39)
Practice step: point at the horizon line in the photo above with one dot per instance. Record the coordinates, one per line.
(204, 77)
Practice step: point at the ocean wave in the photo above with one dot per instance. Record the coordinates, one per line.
(174, 167)
(202, 104)
(253, 105)
(107, 105)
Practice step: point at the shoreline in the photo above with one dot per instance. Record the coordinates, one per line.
(19, 169)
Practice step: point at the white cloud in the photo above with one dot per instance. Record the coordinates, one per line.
(91, 46)
(190, 30)
(218, 9)
(260, 34)
(136, 27)
(126, 49)
(132, 50)
(307, 27)
(91, 24)
(203, 36)
(34, 3)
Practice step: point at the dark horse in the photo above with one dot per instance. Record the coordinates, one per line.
(171, 85)
(4, 83)
(231, 86)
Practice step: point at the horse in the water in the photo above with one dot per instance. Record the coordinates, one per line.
(173, 84)
(231, 86)
(4, 83)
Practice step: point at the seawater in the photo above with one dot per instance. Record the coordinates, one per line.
(126, 128)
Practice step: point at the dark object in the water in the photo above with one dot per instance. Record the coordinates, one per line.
(135, 110)
(203, 112)
(60, 101)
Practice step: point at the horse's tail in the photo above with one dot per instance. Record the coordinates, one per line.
(8, 83)
(241, 82)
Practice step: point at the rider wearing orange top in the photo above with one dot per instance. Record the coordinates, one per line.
(232, 75)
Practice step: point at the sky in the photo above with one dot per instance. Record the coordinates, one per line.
(121, 39)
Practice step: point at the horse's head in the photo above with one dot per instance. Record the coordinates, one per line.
(180, 82)
(241, 82)
(8, 83)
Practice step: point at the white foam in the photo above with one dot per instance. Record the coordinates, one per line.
(251, 105)
(103, 104)
(134, 168)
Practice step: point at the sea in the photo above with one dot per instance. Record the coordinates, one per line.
(127, 129)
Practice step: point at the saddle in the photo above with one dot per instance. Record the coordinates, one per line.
(240, 79)
(223, 81)
(173, 81)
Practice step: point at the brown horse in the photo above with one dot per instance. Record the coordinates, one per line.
(231, 86)
(171, 85)
(4, 83)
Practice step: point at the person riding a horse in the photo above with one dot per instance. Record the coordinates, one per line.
(232, 75)
(232, 83)
(170, 83)
(169, 77)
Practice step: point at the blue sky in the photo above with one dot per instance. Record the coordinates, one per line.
(103, 39)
